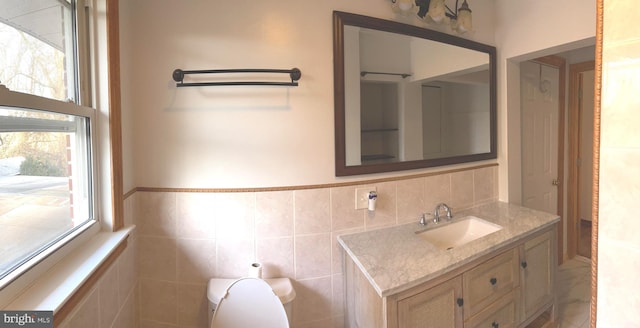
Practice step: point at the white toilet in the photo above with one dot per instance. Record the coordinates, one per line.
(250, 302)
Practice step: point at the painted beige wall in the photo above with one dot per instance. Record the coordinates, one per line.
(126, 82)
(235, 136)
(618, 242)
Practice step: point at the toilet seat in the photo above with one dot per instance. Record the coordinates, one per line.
(249, 302)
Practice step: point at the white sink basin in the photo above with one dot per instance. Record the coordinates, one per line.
(457, 233)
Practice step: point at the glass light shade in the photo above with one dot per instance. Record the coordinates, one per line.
(464, 21)
(454, 24)
(405, 5)
(437, 10)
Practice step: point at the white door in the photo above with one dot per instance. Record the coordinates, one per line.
(539, 103)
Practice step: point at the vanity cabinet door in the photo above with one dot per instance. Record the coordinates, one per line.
(537, 272)
(437, 307)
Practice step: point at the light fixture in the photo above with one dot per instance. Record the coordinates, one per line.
(462, 21)
(436, 11)
(403, 7)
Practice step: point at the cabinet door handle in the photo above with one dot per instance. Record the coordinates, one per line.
(523, 264)
(495, 325)
(493, 281)
(460, 302)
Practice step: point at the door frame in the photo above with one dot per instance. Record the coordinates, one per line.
(574, 142)
(561, 64)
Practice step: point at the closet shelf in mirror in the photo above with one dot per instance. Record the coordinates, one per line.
(379, 130)
(404, 75)
(375, 157)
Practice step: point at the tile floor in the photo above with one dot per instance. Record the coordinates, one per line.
(574, 293)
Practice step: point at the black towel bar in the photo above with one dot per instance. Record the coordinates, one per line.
(178, 76)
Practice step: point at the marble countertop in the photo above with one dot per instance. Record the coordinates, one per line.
(395, 259)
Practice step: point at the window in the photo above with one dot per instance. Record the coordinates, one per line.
(46, 170)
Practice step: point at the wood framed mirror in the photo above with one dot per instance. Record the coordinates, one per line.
(408, 97)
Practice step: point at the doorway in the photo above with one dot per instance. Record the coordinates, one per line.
(542, 83)
(580, 184)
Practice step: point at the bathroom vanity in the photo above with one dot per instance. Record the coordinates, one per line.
(402, 277)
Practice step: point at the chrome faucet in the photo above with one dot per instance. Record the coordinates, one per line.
(436, 212)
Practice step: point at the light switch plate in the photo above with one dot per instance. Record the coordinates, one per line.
(362, 197)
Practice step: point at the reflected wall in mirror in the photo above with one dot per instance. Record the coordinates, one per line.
(407, 97)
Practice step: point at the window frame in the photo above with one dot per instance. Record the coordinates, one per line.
(22, 100)
(86, 90)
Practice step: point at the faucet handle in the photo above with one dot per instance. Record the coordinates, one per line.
(449, 213)
(424, 218)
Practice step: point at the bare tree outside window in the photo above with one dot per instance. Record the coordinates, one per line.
(35, 67)
(30, 65)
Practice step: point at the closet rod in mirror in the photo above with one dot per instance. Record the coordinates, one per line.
(404, 75)
(178, 76)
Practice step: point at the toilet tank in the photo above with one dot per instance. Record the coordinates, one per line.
(282, 287)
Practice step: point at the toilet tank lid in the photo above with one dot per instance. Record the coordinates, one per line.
(281, 287)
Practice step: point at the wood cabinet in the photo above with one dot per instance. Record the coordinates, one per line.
(434, 307)
(538, 273)
(512, 287)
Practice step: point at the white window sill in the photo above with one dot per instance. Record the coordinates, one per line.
(54, 288)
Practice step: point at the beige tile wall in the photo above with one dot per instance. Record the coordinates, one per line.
(618, 242)
(186, 238)
(112, 301)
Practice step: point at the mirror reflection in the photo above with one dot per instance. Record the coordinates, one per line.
(411, 101)
(419, 99)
